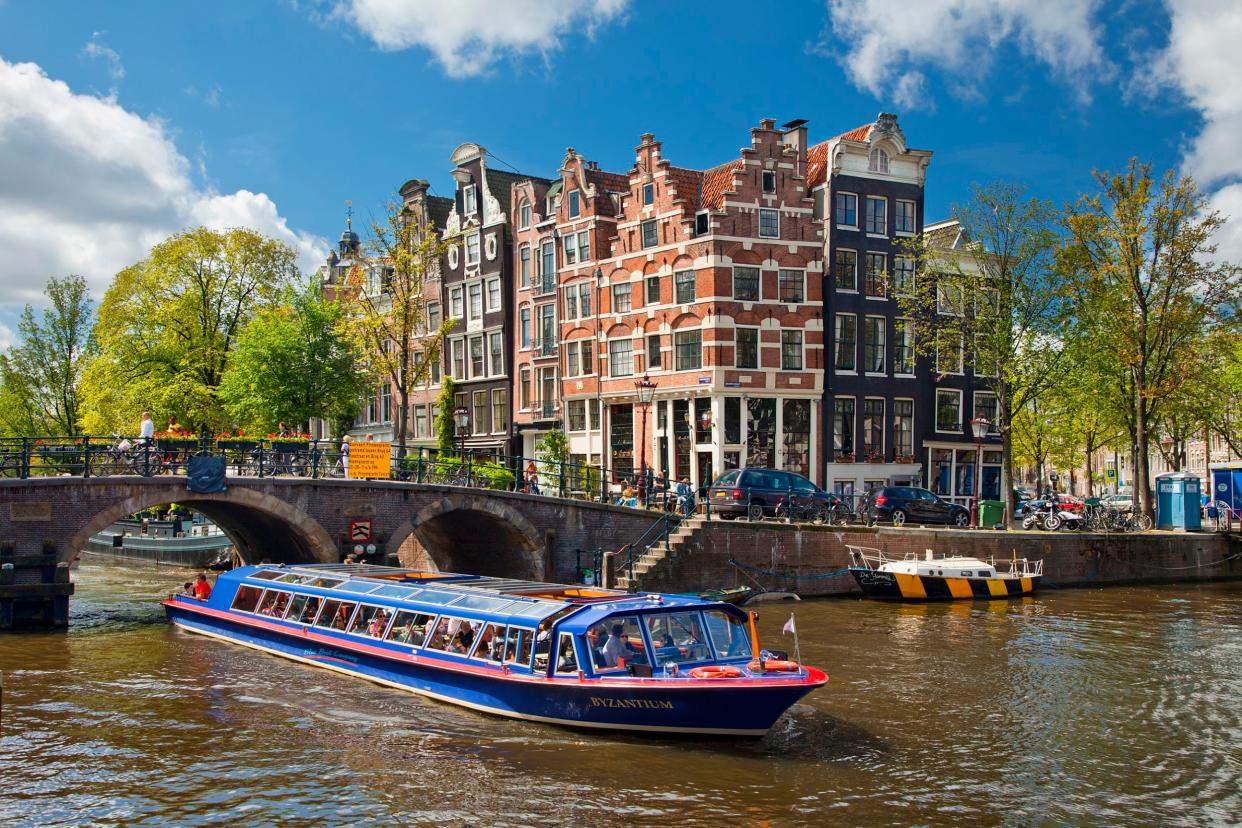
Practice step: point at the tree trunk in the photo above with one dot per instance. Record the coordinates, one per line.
(404, 409)
(1090, 473)
(1142, 483)
(1006, 480)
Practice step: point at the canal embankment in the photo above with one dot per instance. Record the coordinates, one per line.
(810, 560)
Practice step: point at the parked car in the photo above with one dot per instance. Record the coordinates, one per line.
(910, 504)
(755, 492)
(1118, 501)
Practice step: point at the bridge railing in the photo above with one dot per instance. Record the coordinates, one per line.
(96, 456)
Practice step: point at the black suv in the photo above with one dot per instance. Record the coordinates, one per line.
(756, 492)
(910, 504)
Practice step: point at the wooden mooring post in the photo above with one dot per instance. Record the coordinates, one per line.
(34, 590)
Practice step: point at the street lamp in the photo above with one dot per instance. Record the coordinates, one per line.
(646, 390)
(461, 418)
(979, 426)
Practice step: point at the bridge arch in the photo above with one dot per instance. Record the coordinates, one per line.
(477, 534)
(259, 524)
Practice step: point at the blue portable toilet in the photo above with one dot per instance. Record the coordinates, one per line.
(1227, 485)
(1177, 501)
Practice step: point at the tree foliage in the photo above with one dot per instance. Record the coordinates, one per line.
(168, 326)
(41, 373)
(446, 429)
(291, 363)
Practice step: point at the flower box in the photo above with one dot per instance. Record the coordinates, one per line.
(237, 444)
(903, 458)
(845, 458)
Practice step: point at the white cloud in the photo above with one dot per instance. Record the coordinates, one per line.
(88, 187)
(888, 41)
(8, 337)
(1202, 60)
(468, 36)
(95, 48)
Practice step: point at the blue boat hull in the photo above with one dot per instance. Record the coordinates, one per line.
(745, 707)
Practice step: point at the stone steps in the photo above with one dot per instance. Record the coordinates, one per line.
(657, 554)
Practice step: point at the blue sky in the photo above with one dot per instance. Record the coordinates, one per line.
(121, 122)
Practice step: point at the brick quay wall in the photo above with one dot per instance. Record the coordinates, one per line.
(803, 559)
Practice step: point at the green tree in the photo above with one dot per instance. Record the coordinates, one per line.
(168, 326)
(1148, 290)
(553, 453)
(291, 363)
(40, 375)
(446, 429)
(987, 294)
(387, 296)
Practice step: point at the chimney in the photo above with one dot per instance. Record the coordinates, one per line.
(795, 136)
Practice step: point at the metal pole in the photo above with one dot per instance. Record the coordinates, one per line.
(974, 513)
(789, 505)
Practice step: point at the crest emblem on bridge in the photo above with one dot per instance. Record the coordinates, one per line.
(359, 530)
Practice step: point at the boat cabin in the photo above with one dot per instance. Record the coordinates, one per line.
(522, 627)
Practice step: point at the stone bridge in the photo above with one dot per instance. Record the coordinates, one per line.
(297, 520)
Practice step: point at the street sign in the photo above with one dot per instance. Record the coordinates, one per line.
(370, 461)
(1110, 473)
(359, 530)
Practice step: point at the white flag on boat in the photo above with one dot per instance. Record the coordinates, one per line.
(789, 626)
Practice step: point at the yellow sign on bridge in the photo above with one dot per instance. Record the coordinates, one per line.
(370, 461)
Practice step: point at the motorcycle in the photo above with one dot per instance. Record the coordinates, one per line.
(1050, 515)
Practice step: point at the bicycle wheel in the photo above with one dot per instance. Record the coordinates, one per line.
(1142, 522)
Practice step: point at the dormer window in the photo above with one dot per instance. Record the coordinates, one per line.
(575, 203)
(878, 161)
(648, 194)
(769, 181)
(469, 200)
(524, 215)
(700, 223)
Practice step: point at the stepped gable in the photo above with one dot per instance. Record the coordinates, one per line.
(686, 183)
(717, 181)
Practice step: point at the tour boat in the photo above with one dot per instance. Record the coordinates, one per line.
(932, 578)
(568, 655)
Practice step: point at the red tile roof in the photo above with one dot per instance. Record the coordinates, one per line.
(609, 181)
(856, 134)
(816, 164)
(687, 184)
(716, 181)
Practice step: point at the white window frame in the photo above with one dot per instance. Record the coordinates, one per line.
(472, 249)
(655, 233)
(854, 281)
(612, 361)
(936, 411)
(836, 219)
(908, 329)
(569, 248)
(861, 454)
(488, 305)
(677, 352)
(648, 194)
(629, 294)
(961, 356)
(469, 200)
(769, 212)
(893, 425)
(758, 346)
(801, 348)
(758, 283)
(878, 161)
(974, 409)
(914, 223)
(879, 234)
(836, 343)
(457, 301)
(764, 178)
(573, 203)
(883, 372)
(802, 285)
(524, 214)
(584, 246)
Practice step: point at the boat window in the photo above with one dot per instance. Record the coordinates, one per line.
(327, 583)
(518, 646)
(452, 635)
(247, 598)
(481, 602)
(729, 635)
(358, 586)
(296, 606)
(370, 621)
(336, 614)
(538, 610)
(266, 575)
(274, 603)
(566, 656)
(965, 573)
(985, 573)
(293, 578)
(677, 637)
(410, 627)
(491, 643)
(432, 596)
(307, 612)
(394, 592)
(615, 642)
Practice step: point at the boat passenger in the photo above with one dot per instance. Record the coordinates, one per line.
(202, 589)
(342, 617)
(189, 589)
(614, 647)
(543, 639)
(376, 627)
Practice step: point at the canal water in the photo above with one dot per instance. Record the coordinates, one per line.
(1090, 707)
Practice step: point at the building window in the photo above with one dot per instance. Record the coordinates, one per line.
(584, 246)
(573, 367)
(949, 300)
(948, 410)
(700, 224)
(496, 351)
(575, 203)
(985, 407)
(455, 303)
(620, 358)
(791, 350)
(846, 208)
(648, 194)
(903, 275)
(472, 249)
(654, 358)
(459, 358)
(524, 388)
(746, 283)
(688, 346)
(649, 233)
(683, 286)
(746, 347)
(621, 298)
(878, 161)
(524, 215)
(576, 410)
(477, 366)
(903, 342)
(653, 290)
(420, 421)
(433, 370)
(469, 200)
(547, 337)
(588, 356)
(733, 420)
(792, 286)
(873, 283)
(386, 403)
(474, 301)
(904, 220)
(873, 430)
(433, 317)
(547, 268)
(571, 302)
(846, 341)
(769, 181)
(843, 425)
(524, 326)
(493, 295)
(481, 424)
(877, 215)
(769, 223)
(584, 299)
(571, 248)
(903, 429)
(873, 345)
(846, 269)
(500, 409)
(948, 353)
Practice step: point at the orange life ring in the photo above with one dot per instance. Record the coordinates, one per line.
(782, 666)
(716, 671)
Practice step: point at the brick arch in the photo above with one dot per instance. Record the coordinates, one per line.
(260, 525)
(619, 329)
(478, 534)
(685, 321)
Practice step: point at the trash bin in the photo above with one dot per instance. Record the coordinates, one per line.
(1177, 501)
(991, 513)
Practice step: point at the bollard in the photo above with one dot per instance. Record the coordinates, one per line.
(789, 504)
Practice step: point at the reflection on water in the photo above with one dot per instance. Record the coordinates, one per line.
(1089, 707)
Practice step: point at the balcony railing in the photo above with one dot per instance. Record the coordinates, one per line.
(545, 285)
(546, 348)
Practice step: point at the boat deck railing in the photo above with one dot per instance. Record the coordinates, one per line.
(869, 557)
